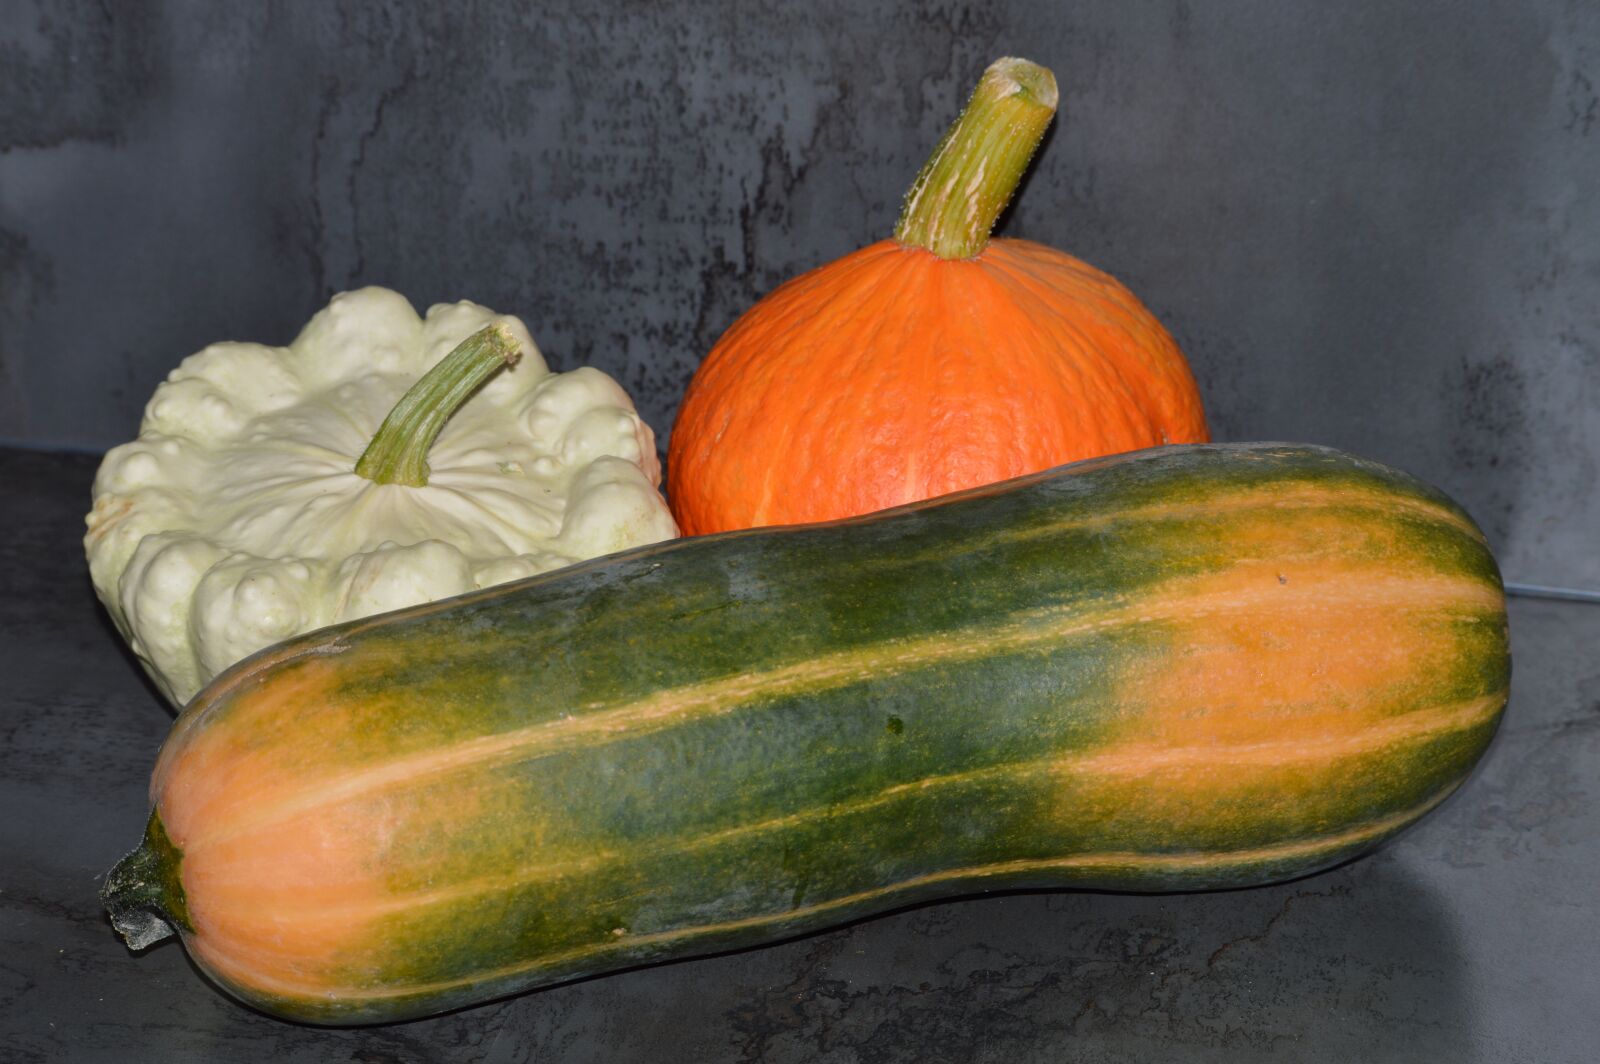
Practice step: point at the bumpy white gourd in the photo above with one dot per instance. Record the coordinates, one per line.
(236, 519)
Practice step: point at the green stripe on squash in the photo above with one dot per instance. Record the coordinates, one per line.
(1186, 668)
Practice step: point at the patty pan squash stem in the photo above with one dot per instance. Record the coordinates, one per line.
(398, 453)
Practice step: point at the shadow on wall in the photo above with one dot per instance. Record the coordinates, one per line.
(1415, 357)
(1359, 964)
(1361, 235)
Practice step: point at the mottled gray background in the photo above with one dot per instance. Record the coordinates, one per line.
(1369, 224)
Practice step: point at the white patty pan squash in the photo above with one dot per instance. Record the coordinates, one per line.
(237, 518)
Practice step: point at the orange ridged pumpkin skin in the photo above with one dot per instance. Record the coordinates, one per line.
(893, 375)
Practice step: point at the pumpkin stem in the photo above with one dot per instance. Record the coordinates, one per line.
(398, 453)
(956, 199)
(143, 893)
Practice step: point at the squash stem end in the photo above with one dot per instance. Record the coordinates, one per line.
(143, 893)
(398, 453)
(964, 186)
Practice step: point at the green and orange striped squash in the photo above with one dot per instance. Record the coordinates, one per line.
(1191, 667)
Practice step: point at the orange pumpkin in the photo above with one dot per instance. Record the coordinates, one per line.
(935, 361)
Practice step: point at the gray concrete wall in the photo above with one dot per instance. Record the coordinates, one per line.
(1370, 224)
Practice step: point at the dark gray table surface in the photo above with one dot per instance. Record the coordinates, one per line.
(1473, 937)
